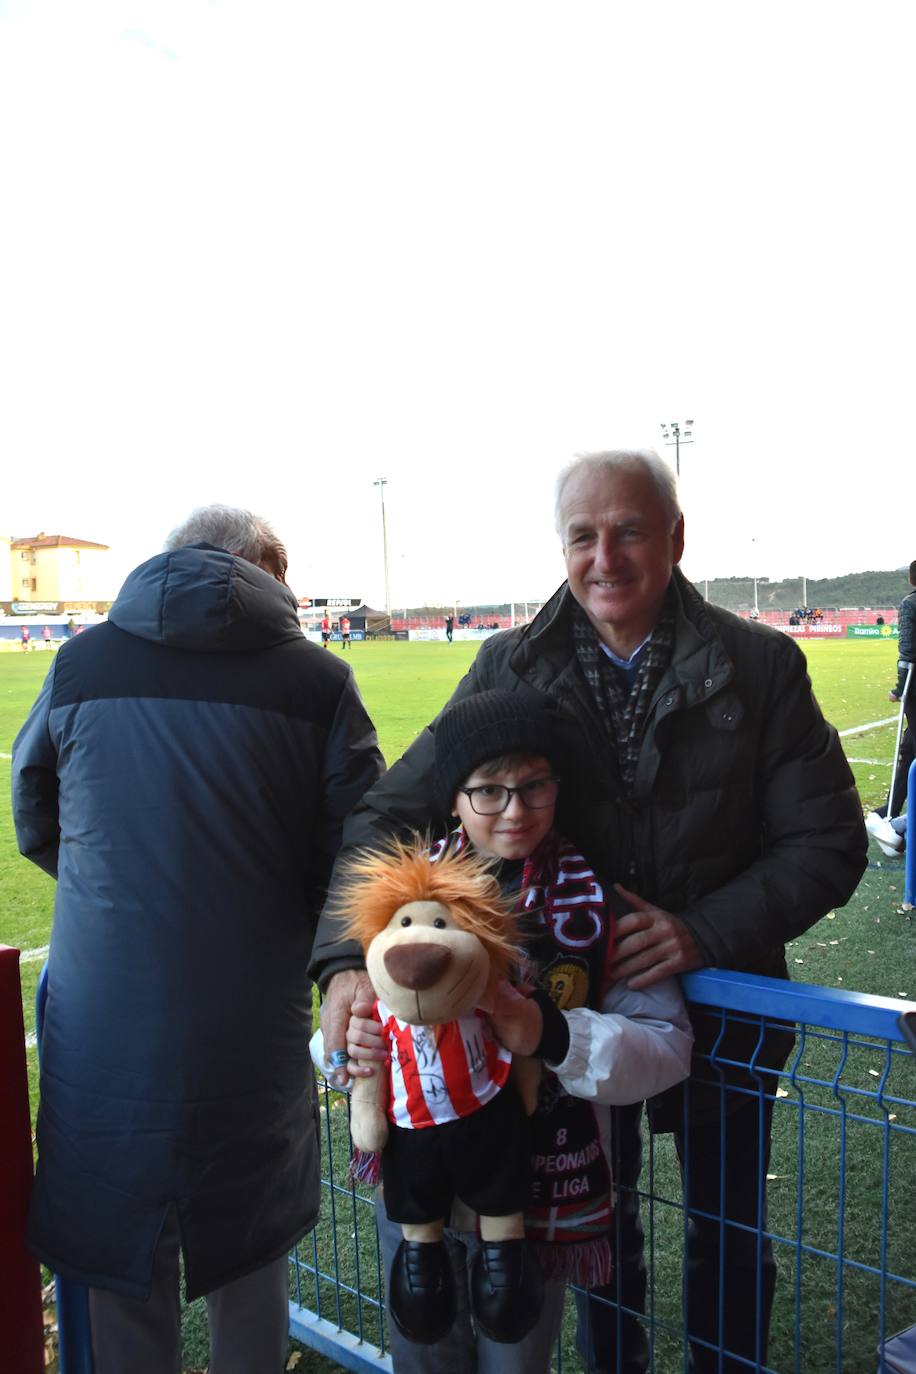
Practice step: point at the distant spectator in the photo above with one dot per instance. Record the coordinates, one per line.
(879, 619)
(449, 627)
(25, 635)
(345, 631)
(71, 628)
(46, 636)
(880, 823)
(325, 631)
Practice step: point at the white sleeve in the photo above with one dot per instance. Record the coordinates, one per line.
(638, 1045)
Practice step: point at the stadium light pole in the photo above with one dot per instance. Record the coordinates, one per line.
(678, 432)
(380, 483)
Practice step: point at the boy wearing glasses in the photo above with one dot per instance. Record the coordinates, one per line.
(498, 764)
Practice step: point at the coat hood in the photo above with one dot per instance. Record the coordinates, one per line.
(205, 600)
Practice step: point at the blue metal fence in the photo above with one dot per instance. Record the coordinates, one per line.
(842, 1199)
(841, 1182)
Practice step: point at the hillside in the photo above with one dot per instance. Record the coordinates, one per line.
(866, 589)
(875, 590)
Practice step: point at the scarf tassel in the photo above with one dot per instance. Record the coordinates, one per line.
(365, 1167)
(590, 1264)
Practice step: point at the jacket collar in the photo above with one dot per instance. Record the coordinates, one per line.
(699, 665)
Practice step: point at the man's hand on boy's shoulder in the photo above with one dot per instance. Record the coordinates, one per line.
(651, 944)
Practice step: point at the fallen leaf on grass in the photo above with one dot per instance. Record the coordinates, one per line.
(294, 1359)
(799, 961)
(874, 1073)
(781, 1092)
(831, 915)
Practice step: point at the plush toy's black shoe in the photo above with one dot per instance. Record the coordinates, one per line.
(421, 1292)
(507, 1289)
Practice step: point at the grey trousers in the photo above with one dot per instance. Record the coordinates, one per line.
(464, 1350)
(248, 1319)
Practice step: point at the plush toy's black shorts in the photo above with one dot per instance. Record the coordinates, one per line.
(484, 1159)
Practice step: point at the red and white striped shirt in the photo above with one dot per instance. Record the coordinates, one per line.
(441, 1073)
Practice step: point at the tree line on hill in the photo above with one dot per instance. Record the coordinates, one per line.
(876, 590)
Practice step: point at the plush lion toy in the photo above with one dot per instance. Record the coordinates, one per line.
(438, 937)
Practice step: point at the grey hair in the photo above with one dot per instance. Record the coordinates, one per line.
(236, 531)
(626, 460)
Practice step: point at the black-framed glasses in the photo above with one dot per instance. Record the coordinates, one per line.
(490, 798)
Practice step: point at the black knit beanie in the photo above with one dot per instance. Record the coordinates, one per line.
(487, 725)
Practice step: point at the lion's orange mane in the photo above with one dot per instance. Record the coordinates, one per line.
(377, 883)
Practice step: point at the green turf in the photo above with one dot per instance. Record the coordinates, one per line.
(867, 946)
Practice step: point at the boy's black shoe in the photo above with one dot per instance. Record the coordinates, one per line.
(421, 1293)
(507, 1289)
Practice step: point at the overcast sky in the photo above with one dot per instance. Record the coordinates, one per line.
(268, 252)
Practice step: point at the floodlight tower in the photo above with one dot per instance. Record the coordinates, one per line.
(380, 483)
(678, 432)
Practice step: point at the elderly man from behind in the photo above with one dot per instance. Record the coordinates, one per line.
(184, 774)
(709, 778)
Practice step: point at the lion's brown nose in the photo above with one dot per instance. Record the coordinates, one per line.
(417, 966)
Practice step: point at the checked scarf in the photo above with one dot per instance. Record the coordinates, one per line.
(624, 710)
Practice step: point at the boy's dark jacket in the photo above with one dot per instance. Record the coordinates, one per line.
(743, 819)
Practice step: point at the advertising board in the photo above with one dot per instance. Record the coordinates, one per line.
(871, 632)
(818, 629)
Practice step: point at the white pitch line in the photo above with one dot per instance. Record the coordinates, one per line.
(6, 756)
(870, 725)
(874, 763)
(31, 1040)
(31, 956)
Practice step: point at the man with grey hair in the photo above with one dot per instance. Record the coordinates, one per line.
(706, 782)
(184, 775)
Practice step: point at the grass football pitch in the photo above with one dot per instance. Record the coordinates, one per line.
(867, 946)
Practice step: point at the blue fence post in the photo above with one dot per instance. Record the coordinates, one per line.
(74, 1337)
(910, 881)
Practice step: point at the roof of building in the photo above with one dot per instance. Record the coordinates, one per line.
(54, 541)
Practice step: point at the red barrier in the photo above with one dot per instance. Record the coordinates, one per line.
(21, 1334)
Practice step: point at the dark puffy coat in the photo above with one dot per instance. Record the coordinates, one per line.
(743, 818)
(184, 774)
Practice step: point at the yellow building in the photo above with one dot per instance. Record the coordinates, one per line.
(50, 568)
(6, 570)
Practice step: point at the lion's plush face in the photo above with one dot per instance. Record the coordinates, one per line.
(425, 968)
